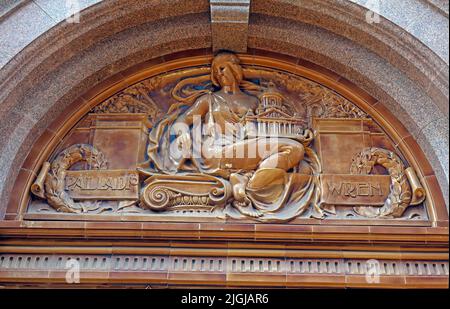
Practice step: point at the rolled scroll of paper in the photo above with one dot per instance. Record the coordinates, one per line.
(37, 188)
(418, 192)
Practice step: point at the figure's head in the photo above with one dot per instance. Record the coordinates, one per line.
(226, 70)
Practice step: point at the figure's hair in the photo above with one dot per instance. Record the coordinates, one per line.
(185, 96)
(232, 60)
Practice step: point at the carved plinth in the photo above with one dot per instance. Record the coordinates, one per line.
(162, 192)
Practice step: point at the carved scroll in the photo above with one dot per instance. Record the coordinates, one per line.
(37, 188)
(184, 191)
(418, 191)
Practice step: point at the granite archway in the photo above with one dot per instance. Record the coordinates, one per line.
(66, 65)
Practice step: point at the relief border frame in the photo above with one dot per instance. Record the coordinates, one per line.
(403, 141)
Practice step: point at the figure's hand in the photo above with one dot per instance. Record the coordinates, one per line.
(307, 137)
(185, 144)
(210, 129)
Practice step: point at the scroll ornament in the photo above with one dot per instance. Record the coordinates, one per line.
(50, 183)
(163, 192)
(405, 188)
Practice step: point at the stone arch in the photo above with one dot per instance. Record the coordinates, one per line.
(62, 62)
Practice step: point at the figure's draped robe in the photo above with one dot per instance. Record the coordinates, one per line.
(287, 196)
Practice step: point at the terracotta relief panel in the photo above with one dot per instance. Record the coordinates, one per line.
(228, 141)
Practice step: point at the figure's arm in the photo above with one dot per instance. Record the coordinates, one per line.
(306, 138)
(200, 108)
(181, 126)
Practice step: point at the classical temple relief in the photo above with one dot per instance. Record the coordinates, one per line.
(229, 141)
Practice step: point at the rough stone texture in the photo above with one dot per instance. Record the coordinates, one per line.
(59, 10)
(6, 6)
(68, 40)
(4, 58)
(229, 24)
(418, 18)
(416, 109)
(67, 60)
(441, 5)
(27, 23)
(124, 45)
(436, 135)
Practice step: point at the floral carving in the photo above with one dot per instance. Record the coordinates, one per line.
(135, 99)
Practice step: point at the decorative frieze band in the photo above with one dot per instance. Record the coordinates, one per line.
(166, 269)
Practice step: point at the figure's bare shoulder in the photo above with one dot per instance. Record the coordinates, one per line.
(202, 100)
(254, 101)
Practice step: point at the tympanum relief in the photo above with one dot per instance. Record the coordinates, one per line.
(228, 140)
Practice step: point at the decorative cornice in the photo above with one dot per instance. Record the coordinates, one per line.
(223, 271)
(231, 231)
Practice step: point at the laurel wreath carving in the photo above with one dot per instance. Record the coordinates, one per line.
(55, 191)
(400, 194)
